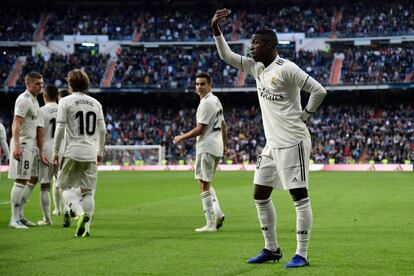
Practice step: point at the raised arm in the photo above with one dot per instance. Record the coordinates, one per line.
(223, 48)
(218, 16)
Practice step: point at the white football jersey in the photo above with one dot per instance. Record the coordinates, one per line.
(47, 118)
(80, 113)
(278, 88)
(3, 141)
(27, 107)
(210, 113)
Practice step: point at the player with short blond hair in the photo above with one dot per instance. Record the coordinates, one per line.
(26, 146)
(80, 120)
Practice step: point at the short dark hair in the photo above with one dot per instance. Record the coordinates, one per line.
(78, 80)
(63, 93)
(268, 35)
(51, 91)
(32, 76)
(204, 75)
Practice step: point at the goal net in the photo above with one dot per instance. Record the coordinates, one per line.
(134, 155)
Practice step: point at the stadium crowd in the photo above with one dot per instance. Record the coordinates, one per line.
(181, 23)
(378, 65)
(54, 67)
(380, 18)
(341, 134)
(6, 63)
(17, 24)
(175, 66)
(170, 67)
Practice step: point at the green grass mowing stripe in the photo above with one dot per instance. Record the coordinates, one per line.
(144, 223)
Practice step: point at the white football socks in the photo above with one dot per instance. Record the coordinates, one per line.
(25, 195)
(15, 198)
(216, 205)
(267, 217)
(88, 205)
(56, 197)
(207, 201)
(45, 203)
(303, 225)
(71, 200)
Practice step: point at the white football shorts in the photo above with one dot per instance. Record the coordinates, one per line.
(205, 166)
(76, 174)
(47, 172)
(284, 168)
(27, 167)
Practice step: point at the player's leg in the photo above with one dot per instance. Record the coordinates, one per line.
(45, 204)
(68, 177)
(19, 175)
(204, 175)
(28, 189)
(218, 213)
(30, 167)
(78, 193)
(216, 205)
(88, 206)
(88, 185)
(56, 198)
(46, 175)
(15, 199)
(295, 179)
(265, 178)
(71, 202)
(304, 221)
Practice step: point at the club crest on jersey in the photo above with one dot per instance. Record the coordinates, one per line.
(274, 81)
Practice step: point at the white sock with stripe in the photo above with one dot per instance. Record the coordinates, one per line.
(267, 217)
(71, 201)
(15, 198)
(56, 198)
(45, 203)
(216, 205)
(88, 205)
(207, 202)
(25, 196)
(303, 225)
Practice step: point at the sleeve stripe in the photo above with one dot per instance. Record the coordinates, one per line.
(304, 83)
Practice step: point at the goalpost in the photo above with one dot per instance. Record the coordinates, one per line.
(134, 155)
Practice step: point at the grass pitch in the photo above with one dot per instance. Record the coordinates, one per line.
(144, 225)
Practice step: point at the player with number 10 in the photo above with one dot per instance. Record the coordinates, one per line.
(80, 119)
